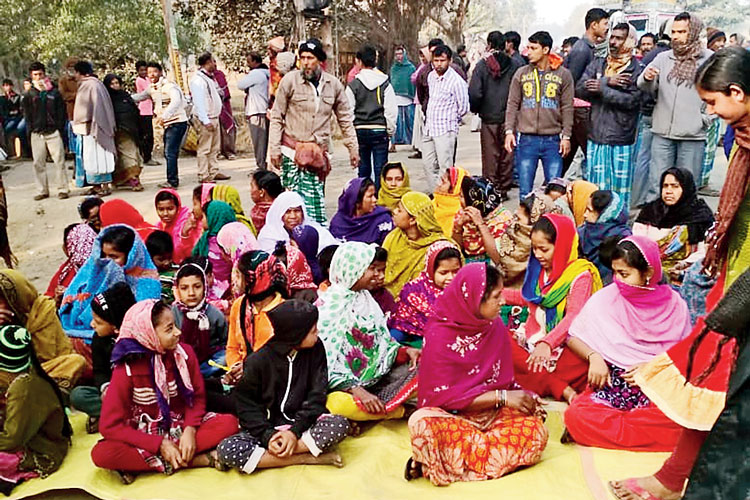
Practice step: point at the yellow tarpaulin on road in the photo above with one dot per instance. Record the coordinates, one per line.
(374, 468)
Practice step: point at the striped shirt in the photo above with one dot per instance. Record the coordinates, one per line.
(449, 101)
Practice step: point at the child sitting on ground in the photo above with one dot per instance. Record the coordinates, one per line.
(324, 261)
(161, 248)
(417, 299)
(203, 327)
(108, 309)
(154, 414)
(222, 305)
(283, 418)
(377, 286)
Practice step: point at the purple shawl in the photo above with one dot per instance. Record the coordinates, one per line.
(464, 355)
(226, 118)
(368, 228)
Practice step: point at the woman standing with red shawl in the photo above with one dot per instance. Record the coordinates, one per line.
(469, 403)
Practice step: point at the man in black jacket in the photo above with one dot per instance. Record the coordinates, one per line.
(609, 84)
(581, 55)
(44, 111)
(488, 97)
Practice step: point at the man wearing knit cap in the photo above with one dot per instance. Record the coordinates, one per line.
(301, 127)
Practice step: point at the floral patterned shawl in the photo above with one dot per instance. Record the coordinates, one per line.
(351, 325)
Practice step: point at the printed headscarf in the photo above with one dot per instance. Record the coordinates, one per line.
(687, 54)
(230, 195)
(235, 239)
(15, 349)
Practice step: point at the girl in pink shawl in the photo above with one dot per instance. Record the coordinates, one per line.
(469, 403)
(178, 221)
(416, 302)
(622, 327)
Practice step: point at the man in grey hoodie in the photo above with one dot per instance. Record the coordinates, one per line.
(679, 123)
(372, 97)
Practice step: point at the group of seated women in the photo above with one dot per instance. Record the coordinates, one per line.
(219, 339)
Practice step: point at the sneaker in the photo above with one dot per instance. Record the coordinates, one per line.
(41, 197)
(221, 177)
(63, 196)
(152, 163)
(166, 185)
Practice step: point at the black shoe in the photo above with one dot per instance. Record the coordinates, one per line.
(416, 156)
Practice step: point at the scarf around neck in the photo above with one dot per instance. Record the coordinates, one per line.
(619, 62)
(687, 54)
(389, 197)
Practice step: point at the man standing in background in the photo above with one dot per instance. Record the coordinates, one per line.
(401, 72)
(146, 109)
(255, 86)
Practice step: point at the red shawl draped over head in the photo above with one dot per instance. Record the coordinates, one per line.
(464, 355)
(121, 212)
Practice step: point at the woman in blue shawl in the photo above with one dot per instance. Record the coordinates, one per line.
(401, 72)
(118, 255)
(605, 223)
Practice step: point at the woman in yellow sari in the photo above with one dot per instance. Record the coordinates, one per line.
(416, 229)
(447, 198)
(578, 196)
(21, 304)
(394, 183)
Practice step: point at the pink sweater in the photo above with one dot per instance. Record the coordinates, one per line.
(579, 293)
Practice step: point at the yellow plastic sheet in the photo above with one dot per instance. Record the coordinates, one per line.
(374, 467)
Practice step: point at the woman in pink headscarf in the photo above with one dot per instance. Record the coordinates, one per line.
(469, 403)
(622, 327)
(154, 411)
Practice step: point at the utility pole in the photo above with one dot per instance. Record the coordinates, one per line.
(173, 46)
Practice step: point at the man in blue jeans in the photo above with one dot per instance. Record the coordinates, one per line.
(373, 100)
(170, 111)
(540, 109)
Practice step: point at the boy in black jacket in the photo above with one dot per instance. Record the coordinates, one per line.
(281, 399)
(108, 309)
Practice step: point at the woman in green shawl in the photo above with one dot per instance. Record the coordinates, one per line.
(401, 72)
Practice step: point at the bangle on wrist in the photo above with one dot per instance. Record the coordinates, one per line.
(497, 399)
(503, 397)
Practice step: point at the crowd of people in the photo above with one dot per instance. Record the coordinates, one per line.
(248, 340)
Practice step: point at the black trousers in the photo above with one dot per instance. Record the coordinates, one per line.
(147, 137)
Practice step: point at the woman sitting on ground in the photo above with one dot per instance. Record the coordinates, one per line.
(416, 304)
(217, 215)
(416, 229)
(265, 187)
(179, 222)
(118, 255)
(514, 246)
(621, 327)
(287, 212)
(154, 413)
(605, 220)
(467, 394)
(557, 189)
(481, 221)
(361, 354)
(394, 183)
(119, 211)
(678, 221)
(34, 432)
(21, 304)
(359, 218)
(229, 195)
(555, 289)
(283, 419)
(578, 198)
(78, 243)
(235, 239)
(447, 198)
(127, 135)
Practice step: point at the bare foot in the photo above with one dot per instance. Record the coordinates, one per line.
(569, 394)
(354, 429)
(650, 484)
(331, 458)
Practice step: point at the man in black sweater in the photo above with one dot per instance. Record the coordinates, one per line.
(488, 96)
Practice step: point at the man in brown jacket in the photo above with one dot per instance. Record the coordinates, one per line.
(540, 110)
(300, 127)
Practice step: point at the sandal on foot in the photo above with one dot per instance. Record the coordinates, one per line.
(413, 469)
(125, 477)
(632, 486)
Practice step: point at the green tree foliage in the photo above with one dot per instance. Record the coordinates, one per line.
(723, 14)
(110, 33)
